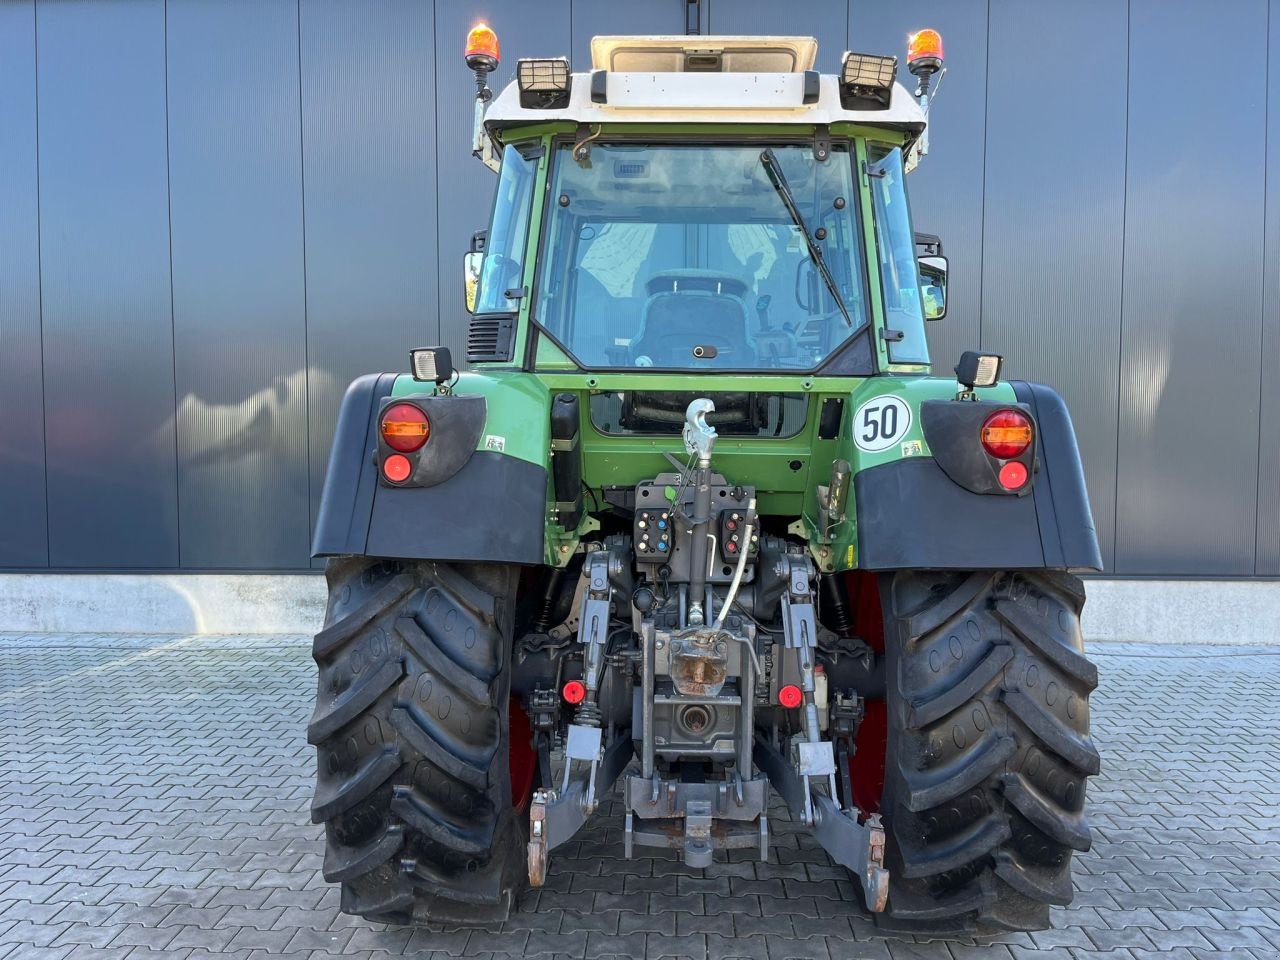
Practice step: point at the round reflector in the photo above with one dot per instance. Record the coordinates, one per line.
(1013, 475)
(482, 47)
(574, 691)
(1006, 434)
(405, 427)
(924, 44)
(397, 468)
(790, 696)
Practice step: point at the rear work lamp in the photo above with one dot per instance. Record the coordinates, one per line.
(544, 84)
(978, 369)
(866, 81)
(431, 364)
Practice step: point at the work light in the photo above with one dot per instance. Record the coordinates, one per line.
(978, 369)
(544, 84)
(431, 364)
(866, 81)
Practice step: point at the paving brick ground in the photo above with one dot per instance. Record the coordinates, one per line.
(154, 794)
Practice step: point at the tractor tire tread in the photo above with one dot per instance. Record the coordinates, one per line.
(989, 748)
(410, 729)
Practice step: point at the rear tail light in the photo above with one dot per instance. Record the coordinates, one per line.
(1006, 434)
(790, 696)
(397, 468)
(404, 427)
(1013, 475)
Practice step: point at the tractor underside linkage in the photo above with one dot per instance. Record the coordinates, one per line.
(685, 683)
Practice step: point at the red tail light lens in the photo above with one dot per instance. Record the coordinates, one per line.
(790, 696)
(405, 427)
(1013, 475)
(397, 468)
(1007, 434)
(574, 691)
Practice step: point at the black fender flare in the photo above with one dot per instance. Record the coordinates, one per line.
(912, 515)
(492, 510)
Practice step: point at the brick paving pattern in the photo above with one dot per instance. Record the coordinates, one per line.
(154, 796)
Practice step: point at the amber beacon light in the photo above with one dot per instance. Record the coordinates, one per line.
(482, 48)
(924, 52)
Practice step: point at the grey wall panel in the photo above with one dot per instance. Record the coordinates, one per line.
(593, 18)
(1191, 327)
(23, 532)
(1267, 550)
(946, 189)
(368, 131)
(235, 173)
(1053, 226)
(826, 20)
(108, 345)
(465, 186)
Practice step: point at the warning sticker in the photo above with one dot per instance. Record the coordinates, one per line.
(496, 444)
(880, 423)
(912, 448)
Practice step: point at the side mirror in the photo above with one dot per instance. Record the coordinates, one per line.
(933, 287)
(472, 263)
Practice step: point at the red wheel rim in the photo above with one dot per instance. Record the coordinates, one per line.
(866, 766)
(522, 757)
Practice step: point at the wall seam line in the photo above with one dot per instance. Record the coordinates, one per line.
(306, 314)
(1262, 315)
(435, 100)
(982, 216)
(173, 319)
(44, 405)
(1124, 244)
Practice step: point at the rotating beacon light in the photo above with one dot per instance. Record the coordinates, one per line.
(482, 57)
(924, 59)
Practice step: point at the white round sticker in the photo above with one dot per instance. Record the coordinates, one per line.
(880, 422)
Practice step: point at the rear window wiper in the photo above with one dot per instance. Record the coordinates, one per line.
(769, 161)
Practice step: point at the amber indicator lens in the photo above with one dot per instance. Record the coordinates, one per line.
(405, 427)
(1006, 434)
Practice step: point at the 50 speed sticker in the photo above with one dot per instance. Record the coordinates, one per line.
(880, 422)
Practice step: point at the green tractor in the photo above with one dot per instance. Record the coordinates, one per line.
(697, 524)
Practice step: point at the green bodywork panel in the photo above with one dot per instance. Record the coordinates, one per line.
(786, 472)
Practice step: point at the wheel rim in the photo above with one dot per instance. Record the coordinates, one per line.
(522, 759)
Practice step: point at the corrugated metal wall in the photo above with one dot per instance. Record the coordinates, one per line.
(216, 213)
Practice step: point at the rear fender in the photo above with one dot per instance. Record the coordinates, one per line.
(917, 512)
(468, 498)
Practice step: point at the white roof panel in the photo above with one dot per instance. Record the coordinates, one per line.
(705, 98)
(681, 54)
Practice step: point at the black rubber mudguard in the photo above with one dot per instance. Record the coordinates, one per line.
(491, 510)
(911, 515)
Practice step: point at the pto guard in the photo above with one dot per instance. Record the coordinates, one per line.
(480, 506)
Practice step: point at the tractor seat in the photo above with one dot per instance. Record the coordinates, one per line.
(687, 309)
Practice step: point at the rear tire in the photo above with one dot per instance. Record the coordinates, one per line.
(988, 749)
(411, 736)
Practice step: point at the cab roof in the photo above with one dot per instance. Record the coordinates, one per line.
(705, 79)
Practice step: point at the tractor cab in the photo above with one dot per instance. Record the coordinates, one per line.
(703, 204)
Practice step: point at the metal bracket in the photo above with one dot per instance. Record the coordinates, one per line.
(821, 142)
(554, 817)
(697, 834)
(857, 846)
(538, 838)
